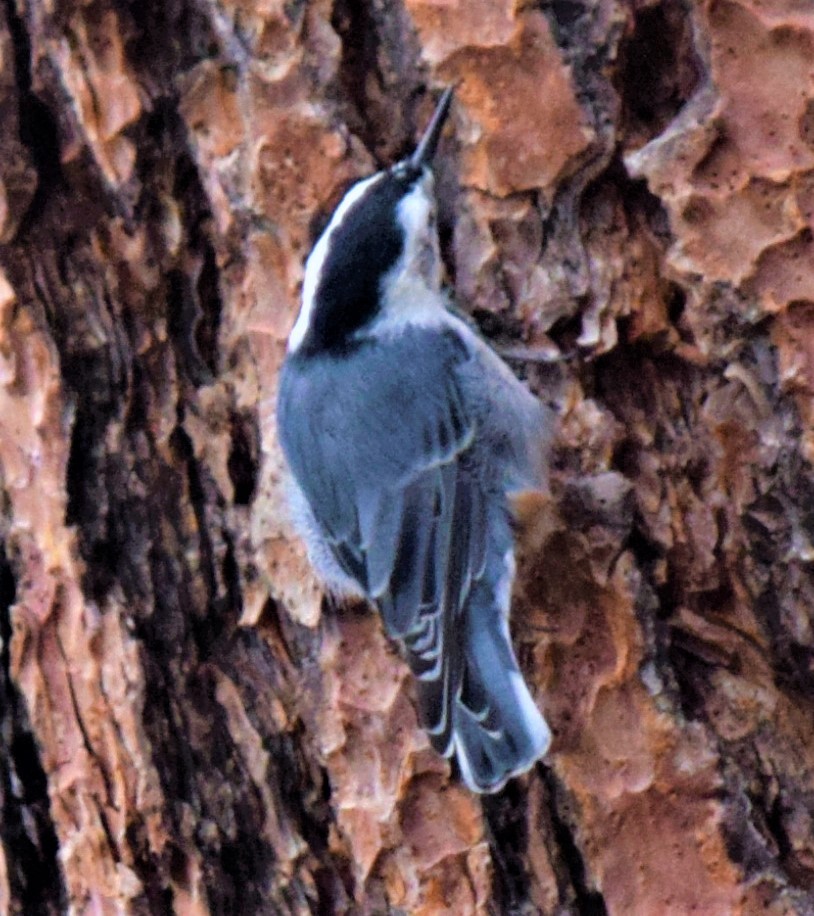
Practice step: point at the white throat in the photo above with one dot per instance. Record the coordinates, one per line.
(411, 291)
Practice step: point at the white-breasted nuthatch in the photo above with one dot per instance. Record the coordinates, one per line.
(406, 436)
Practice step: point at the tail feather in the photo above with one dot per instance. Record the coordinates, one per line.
(472, 698)
(498, 731)
(488, 758)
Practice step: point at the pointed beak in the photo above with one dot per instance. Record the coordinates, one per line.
(428, 144)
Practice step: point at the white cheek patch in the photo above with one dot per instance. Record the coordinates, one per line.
(413, 287)
(413, 211)
(316, 261)
(416, 213)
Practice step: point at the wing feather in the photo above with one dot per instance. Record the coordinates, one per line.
(382, 444)
(380, 521)
(387, 474)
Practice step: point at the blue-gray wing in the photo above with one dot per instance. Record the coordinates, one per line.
(381, 445)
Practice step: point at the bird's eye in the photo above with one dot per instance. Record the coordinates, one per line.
(405, 172)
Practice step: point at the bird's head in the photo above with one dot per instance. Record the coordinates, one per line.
(377, 259)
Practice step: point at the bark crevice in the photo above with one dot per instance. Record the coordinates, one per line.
(27, 833)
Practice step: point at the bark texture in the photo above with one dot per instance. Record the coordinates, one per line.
(185, 725)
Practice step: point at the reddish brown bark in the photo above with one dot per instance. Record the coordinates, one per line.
(185, 725)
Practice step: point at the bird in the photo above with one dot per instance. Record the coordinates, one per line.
(406, 438)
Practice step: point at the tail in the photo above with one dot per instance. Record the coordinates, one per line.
(498, 731)
(472, 698)
(477, 705)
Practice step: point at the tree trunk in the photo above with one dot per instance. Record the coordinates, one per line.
(185, 724)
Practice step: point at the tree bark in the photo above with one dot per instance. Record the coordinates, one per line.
(186, 725)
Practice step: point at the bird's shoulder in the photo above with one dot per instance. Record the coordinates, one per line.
(394, 367)
(385, 409)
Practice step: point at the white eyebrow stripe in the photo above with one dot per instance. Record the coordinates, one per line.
(316, 261)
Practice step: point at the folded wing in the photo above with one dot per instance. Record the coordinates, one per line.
(396, 483)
